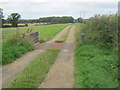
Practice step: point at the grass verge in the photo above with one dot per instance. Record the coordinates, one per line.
(35, 72)
(13, 48)
(95, 68)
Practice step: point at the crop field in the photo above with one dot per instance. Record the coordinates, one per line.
(46, 32)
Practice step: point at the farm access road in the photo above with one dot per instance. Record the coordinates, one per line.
(61, 73)
(63, 64)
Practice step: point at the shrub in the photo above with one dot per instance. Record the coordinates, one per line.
(102, 30)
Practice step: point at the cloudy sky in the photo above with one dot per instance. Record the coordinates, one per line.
(33, 9)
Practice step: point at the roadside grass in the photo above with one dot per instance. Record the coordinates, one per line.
(95, 68)
(63, 38)
(46, 32)
(77, 34)
(36, 71)
(13, 48)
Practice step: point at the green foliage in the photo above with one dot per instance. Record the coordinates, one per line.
(102, 30)
(13, 48)
(95, 68)
(79, 20)
(96, 60)
(35, 72)
(77, 34)
(57, 20)
(50, 20)
(1, 17)
(13, 19)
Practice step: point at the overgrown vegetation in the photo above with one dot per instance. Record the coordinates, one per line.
(35, 72)
(96, 57)
(14, 47)
(102, 31)
(95, 68)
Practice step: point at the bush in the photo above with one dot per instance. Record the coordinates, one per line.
(13, 48)
(95, 61)
(102, 30)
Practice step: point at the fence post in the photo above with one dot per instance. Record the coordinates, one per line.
(82, 36)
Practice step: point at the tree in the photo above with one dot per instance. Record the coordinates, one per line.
(79, 20)
(57, 20)
(14, 18)
(1, 17)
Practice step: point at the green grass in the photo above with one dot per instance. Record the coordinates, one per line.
(13, 48)
(36, 71)
(46, 32)
(95, 68)
(64, 37)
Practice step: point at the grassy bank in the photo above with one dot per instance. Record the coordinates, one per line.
(35, 72)
(96, 60)
(13, 48)
(95, 68)
(46, 32)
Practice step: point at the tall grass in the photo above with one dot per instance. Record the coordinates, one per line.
(102, 30)
(14, 47)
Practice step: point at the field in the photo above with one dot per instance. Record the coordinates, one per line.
(46, 32)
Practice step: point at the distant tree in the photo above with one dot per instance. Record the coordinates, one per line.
(49, 20)
(79, 20)
(57, 20)
(14, 18)
(1, 17)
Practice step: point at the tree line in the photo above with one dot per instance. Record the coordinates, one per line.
(15, 18)
(51, 20)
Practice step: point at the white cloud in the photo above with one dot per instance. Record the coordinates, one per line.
(40, 8)
(59, 0)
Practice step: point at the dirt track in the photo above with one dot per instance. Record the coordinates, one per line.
(10, 71)
(61, 73)
(58, 36)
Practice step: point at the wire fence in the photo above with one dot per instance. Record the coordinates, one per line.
(5, 34)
